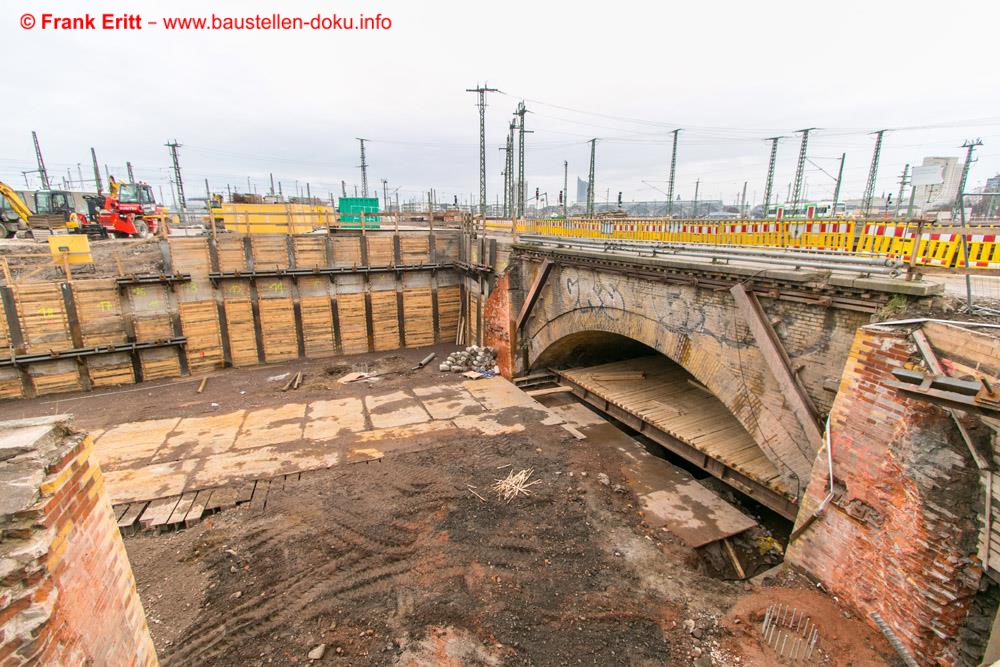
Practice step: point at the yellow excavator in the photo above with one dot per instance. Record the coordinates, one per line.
(14, 213)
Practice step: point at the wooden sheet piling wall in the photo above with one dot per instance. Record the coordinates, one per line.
(233, 301)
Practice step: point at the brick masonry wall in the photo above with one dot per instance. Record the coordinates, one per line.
(67, 593)
(498, 325)
(899, 537)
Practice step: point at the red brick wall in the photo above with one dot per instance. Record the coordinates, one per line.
(498, 327)
(899, 537)
(67, 594)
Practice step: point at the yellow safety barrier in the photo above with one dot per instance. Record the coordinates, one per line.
(984, 251)
(919, 244)
(816, 235)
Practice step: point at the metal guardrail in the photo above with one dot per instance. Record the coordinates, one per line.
(862, 263)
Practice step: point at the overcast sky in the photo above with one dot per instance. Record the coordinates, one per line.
(292, 102)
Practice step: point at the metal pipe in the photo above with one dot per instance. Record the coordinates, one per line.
(846, 258)
(788, 260)
(793, 262)
(786, 257)
(852, 258)
(762, 251)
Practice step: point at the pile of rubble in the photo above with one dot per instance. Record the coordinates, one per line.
(473, 358)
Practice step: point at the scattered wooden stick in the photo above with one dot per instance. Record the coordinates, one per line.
(293, 382)
(505, 465)
(732, 556)
(561, 389)
(201, 387)
(469, 489)
(514, 485)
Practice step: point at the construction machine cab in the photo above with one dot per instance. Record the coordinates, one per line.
(137, 193)
(53, 202)
(130, 210)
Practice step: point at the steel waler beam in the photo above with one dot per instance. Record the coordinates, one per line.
(532, 296)
(778, 362)
(21, 359)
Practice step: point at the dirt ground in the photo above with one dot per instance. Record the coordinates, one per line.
(234, 388)
(399, 562)
(30, 261)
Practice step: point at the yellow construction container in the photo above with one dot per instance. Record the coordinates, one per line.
(273, 218)
(75, 246)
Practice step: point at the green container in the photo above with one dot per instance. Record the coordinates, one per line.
(351, 208)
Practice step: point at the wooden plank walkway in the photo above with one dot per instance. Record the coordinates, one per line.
(668, 400)
(186, 510)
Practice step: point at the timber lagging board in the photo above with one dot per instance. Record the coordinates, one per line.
(419, 320)
(220, 308)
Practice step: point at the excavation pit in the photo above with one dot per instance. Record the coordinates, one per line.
(361, 516)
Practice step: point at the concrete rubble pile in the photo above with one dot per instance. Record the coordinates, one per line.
(473, 358)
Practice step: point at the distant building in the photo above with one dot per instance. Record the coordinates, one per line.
(581, 191)
(990, 206)
(943, 194)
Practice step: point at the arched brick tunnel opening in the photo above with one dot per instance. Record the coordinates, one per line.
(669, 399)
(589, 348)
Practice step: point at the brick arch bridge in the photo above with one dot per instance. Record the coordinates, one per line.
(770, 345)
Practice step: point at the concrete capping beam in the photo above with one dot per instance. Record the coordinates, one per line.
(890, 285)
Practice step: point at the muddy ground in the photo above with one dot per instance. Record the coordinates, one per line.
(399, 562)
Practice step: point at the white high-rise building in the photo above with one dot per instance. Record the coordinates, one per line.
(943, 193)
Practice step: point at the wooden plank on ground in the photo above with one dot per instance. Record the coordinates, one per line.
(182, 507)
(127, 520)
(549, 390)
(222, 498)
(198, 507)
(158, 512)
(244, 492)
(260, 496)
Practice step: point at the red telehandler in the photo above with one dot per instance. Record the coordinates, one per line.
(130, 209)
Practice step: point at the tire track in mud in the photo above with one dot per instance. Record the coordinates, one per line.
(367, 555)
(405, 548)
